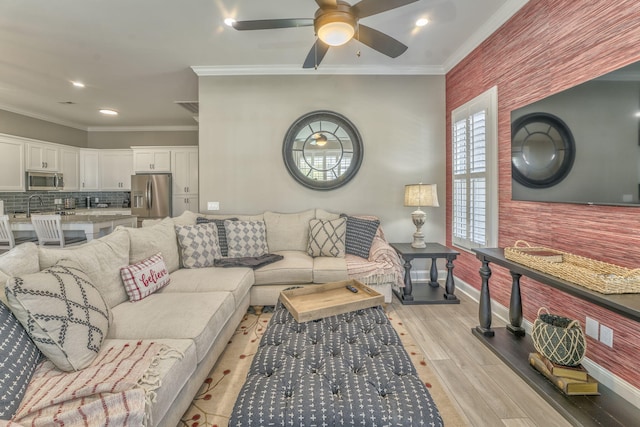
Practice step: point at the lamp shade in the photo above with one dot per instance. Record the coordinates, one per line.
(421, 195)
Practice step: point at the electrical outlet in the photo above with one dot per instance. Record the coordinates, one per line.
(213, 206)
(606, 335)
(592, 328)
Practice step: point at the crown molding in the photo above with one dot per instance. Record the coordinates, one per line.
(142, 128)
(503, 14)
(42, 117)
(273, 70)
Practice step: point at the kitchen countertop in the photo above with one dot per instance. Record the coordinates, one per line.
(77, 218)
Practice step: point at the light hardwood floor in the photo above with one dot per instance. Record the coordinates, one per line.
(485, 390)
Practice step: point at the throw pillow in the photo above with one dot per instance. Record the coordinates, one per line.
(222, 232)
(19, 358)
(145, 277)
(327, 237)
(147, 241)
(246, 238)
(360, 234)
(198, 244)
(63, 313)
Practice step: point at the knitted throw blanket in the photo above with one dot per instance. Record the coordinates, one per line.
(117, 389)
(383, 265)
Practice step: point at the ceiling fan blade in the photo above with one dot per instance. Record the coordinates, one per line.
(372, 7)
(327, 3)
(268, 24)
(316, 54)
(379, 41)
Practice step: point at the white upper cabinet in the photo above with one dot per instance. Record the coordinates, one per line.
(184, 203)
(89, 169)
(70, 168)
(151, 160)
(42, 157)
(184, 168)
(11, 164)
(116, 168)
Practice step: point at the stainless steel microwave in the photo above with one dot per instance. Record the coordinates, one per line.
(44, 181)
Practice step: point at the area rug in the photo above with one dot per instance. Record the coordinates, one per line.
(214, 402)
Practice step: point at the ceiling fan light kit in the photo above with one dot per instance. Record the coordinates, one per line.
(335, 23)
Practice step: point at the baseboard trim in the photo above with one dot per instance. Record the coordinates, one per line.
(618, 385)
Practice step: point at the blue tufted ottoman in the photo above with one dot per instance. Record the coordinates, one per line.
(344, 370)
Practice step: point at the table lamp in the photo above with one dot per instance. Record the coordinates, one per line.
(420, 195)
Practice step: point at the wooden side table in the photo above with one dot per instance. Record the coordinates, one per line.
(432, 292)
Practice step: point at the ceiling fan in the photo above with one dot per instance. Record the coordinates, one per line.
(335, 23)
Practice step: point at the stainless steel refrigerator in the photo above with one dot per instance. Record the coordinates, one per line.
(151, 196)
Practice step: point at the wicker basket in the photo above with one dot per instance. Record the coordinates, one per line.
(595, 275)
(559, 339)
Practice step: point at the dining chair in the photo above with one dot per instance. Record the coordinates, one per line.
(7, 239)
(49, 231)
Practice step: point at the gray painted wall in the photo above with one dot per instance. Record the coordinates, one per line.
(126, 139)
(28, 127)
(243, 120)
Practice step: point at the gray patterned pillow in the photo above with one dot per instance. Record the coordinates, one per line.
(222, 233)
(19, 357)
(246, 238)
(360, 234)
(199, 245)
(63, 313)
(327, 237)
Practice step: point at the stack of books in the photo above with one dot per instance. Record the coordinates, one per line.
(571, 380)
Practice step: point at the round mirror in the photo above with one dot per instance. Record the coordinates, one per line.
(542, 150)
(322, 150)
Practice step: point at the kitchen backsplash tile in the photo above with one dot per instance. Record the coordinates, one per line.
(17, 202)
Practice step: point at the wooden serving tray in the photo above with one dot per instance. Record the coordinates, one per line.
(318, 301)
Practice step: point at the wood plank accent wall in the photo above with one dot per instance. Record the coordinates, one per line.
(548, 46)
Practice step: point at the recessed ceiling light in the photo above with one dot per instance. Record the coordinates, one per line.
(638, 114)
(108, 112)
(78, 84)
(229, 22)
(422, 22)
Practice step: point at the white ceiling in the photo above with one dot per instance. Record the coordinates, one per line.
(136, 56)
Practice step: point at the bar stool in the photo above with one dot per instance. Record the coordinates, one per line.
(49, 231)
(7, 240)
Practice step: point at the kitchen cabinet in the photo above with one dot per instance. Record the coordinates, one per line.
(116, 168)
(89, 169)
(42, 157)
(184, 168)
(11, 164)
(70, 168)
(184, 203)
(152, 160)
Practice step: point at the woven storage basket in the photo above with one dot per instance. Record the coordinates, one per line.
(596, 275)
(559, 339)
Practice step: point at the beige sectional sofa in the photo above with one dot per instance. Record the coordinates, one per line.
(199, 310)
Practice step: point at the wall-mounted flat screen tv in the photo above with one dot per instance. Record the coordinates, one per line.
(581, 145)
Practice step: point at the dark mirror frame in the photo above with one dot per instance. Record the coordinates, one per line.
(337, 120)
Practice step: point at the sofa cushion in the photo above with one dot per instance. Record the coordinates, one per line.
(238, 281)
(145, 277)
(222, 232)
(327, 237)
(296, 267)
(246, 238)
(322, 214)
(148, 241)
(360, 234)
(198, 316)
(101, 259)
(256, 217)
(63, 313)
(329, 269)
(288, 231)
(198, 245)
(23, 259)
(19, 358)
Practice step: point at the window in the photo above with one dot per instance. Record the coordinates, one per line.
(474, 172)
